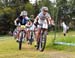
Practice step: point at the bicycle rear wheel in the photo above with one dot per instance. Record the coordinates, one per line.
(31, 38)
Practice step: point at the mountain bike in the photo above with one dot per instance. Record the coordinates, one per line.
(21, 35)
(41, 43)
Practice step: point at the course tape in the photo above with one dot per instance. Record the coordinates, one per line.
(3, 38)
(64, 43)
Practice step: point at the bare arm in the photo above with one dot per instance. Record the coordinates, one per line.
(36, 19)
(15, 22)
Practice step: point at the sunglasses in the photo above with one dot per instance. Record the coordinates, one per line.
(45, 11)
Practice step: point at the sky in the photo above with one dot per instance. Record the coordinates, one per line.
(33, 1)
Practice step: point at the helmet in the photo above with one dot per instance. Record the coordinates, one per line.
(44, 9)
(32, 16)
(23, 13)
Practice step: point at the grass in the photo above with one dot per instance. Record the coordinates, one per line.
(9, 47)
(69, 38)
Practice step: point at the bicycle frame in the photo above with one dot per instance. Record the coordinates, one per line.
(21, 36)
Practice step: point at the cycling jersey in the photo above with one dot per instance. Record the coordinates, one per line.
(22, 20)
(42, 20)
(42, 16)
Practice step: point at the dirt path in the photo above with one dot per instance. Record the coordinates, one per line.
(30, 52)
(50, 54)
(9, 49)
(53, 53)
(60, 54)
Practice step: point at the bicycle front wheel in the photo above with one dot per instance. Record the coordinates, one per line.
(42, 43)
(20, 40)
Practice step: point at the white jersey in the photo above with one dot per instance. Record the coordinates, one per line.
(42, 19)
(42, 16)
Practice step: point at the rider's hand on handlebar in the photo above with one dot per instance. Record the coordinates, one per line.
(36, 24)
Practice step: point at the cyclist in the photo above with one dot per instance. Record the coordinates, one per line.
(43, 18)
(32, 22)
(32, 28)
(21, 20)
(28, 29)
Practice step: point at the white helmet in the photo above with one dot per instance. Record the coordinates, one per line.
(23, 13)
(44, 9)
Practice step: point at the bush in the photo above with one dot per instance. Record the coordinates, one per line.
(7, 17)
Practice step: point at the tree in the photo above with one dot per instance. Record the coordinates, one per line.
(61, 2)
(46, 3)
(29, 7)
(24, 1)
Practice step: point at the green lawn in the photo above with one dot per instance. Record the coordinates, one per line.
(9, 48)
(70, 37)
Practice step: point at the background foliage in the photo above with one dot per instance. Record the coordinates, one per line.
(11, 9)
